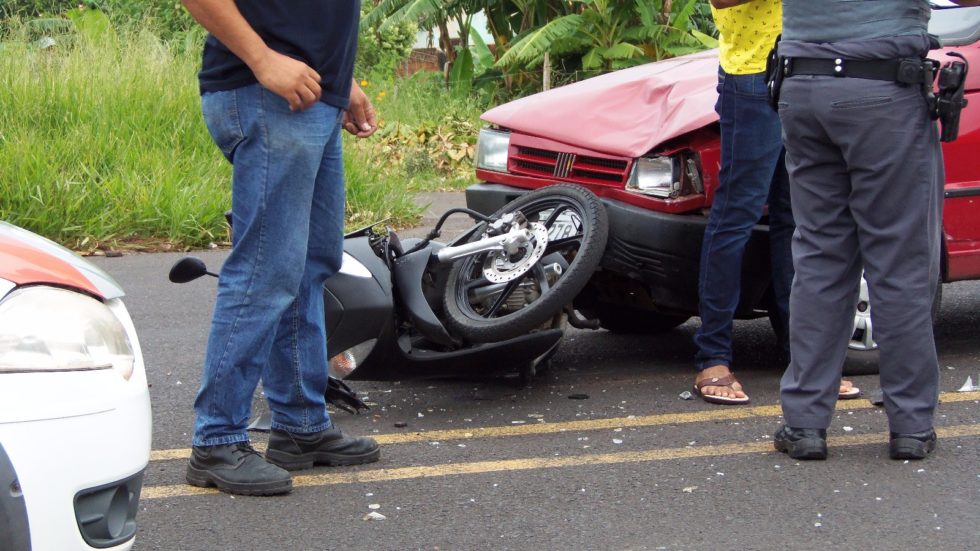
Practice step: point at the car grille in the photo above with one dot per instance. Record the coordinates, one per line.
(568, 167)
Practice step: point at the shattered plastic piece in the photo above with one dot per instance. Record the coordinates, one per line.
(686, 395)
(617, 441)
(847, 429)
(374, 506)
(374, 515)
(969, 386)
(578, 396)
(689, 489)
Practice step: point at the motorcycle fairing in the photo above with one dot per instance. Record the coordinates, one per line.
(407, 274)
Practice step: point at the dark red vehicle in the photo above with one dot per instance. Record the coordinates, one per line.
(646, 141)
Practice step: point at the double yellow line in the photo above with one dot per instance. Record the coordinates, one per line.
(379, 475)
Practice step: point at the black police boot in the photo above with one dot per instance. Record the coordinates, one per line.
(801, 443)
(294, 451)
(916, 445)
(236, 469)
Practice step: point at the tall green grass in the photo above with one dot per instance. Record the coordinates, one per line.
(102, 145)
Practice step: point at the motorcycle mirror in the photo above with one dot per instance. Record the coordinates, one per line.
(187, 269)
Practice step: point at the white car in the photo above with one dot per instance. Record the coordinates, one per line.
(75, 420)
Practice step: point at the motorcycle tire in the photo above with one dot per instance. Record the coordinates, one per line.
(562, 208)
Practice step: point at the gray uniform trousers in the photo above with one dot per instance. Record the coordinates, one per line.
(866, 177)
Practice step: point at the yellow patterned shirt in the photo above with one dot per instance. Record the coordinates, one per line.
(748, 32)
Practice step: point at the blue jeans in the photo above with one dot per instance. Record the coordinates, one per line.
(752, 173)
(288, 223)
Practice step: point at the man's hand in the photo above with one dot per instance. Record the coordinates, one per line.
(359, 118)
(289, 78)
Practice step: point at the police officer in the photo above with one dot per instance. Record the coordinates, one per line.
(866, 177)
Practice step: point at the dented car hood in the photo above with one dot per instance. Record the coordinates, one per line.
(625, 113)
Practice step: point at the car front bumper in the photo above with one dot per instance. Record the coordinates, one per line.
(80, 469)
(657, 251)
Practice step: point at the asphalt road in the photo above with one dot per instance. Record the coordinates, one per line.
(487, 464)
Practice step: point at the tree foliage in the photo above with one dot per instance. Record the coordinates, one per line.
(612, 34)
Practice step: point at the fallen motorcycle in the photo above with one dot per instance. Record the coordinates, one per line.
(490, 302)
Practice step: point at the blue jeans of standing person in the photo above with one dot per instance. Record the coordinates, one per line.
(288, 222)
(752, 173)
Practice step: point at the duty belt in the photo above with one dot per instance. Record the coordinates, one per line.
(908, 70)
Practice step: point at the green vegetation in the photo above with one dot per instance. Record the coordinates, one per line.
(102, 144)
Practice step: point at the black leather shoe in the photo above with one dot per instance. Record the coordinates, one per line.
(236, 469)
(801, 443)
(293, 451)
(916, 445)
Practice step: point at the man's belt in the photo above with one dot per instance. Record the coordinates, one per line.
(907, 70)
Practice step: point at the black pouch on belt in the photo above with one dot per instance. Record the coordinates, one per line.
(774, 75)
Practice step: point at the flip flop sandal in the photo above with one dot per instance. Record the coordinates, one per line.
(849, 394)
(727, 380)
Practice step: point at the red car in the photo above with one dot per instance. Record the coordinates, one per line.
(646, 141)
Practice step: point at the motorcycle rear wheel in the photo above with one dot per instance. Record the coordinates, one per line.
(577, 228)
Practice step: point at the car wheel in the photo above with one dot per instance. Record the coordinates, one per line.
(862, 351)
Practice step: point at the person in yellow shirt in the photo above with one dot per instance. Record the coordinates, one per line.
(752, 174)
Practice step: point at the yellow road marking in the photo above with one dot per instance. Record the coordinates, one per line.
(592, 424)
(483, 467)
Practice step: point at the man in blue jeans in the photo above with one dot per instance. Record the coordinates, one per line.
(277, 89)
(752, 174)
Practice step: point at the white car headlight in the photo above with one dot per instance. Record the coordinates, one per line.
(491, 150)
(654, 176)
(51, 329)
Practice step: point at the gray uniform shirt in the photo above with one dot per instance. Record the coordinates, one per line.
(855, 29)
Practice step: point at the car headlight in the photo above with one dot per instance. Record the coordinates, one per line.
(491, 150)
(654, 176)
(44, 329)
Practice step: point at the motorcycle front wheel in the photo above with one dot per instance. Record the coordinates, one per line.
(480, 310)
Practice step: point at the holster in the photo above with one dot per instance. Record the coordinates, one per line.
(949, 102)
(774, 75)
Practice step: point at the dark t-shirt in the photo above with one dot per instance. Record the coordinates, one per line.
(321, 33)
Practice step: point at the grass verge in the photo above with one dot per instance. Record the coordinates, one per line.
(102, 145)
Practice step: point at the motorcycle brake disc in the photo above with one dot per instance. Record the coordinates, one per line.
(499, 267)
